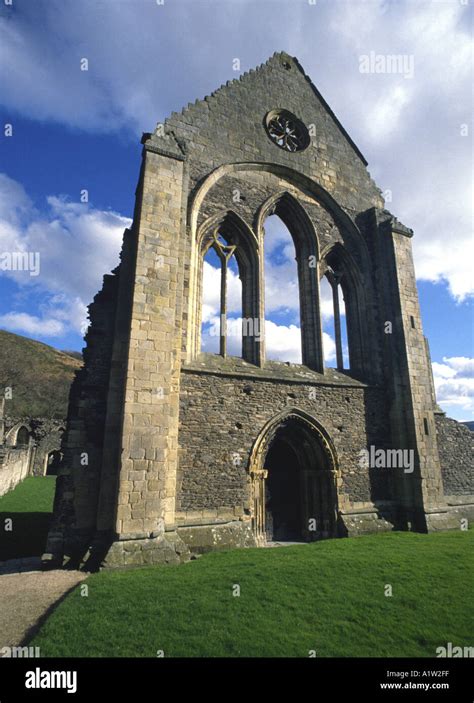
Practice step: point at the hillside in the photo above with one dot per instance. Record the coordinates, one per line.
(39, 375)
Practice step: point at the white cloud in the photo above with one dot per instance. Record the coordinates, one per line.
(77, 245)
(281, 280)
(442, 371)
(447, 259)
(31, 325)
(417, 120)
(387, 112)
(355, 22)
(454, 384)
(411, 128)
(281, 288)
(283, 343)
(326, 300)
(462, 365)
(210, 338)
(329, 348)
(211, 292)
(135, 52)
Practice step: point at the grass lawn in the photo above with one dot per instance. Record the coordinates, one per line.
(326, 596)
(29, 506)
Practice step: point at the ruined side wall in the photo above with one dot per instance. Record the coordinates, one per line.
(417, 391)
(45, 433)
(456, 445)
(408, 375)
(48, 437)
(77, 485)
(14, 467)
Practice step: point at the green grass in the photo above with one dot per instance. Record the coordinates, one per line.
(29, 507)
(326, 596)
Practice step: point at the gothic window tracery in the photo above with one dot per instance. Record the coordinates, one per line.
(224, 252)
(340, 273)
(286, 130)
(335, 277)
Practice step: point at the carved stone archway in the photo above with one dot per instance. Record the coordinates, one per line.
(315, 468)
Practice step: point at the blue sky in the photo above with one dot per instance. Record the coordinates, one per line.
(79, 130)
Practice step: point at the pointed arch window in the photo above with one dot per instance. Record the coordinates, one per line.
(231, 249)
(348, 306)
(282, 312)
(299, 225)
(225, 255)
(334, 278)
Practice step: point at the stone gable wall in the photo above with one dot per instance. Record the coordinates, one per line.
(227, 127)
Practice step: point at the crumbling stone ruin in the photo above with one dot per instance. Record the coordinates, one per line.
(28, 447)
(169, 450)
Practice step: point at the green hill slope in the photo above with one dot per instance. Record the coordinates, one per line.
(40, 377)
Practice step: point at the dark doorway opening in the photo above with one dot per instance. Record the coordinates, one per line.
(23, 437)
(283, 494)
(300, 490)
(53, 460)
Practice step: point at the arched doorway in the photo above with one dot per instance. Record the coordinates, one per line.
(283, 508)
(52, 462)
(22, 437)
(294, 481)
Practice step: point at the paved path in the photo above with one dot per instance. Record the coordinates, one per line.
(26, 596)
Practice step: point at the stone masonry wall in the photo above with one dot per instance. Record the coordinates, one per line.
(48, 436)
(45, 433)
(77, 484)
(418, 391)
(146, 491)
(227, 129)
(179, 426)
(456, 445)
(14, 467)
(222, 415)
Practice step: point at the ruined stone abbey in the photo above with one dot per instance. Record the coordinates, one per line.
(28, 447)
(169, 450)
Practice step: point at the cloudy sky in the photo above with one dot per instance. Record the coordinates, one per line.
(74, 131)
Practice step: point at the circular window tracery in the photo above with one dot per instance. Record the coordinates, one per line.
(286, 131)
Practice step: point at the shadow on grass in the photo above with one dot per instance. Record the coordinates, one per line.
(27, 536)
(31, 632)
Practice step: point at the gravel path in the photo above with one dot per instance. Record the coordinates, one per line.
(25, 597)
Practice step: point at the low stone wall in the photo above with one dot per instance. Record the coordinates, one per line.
(14, 467)
(206, 538)
(165, 549)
